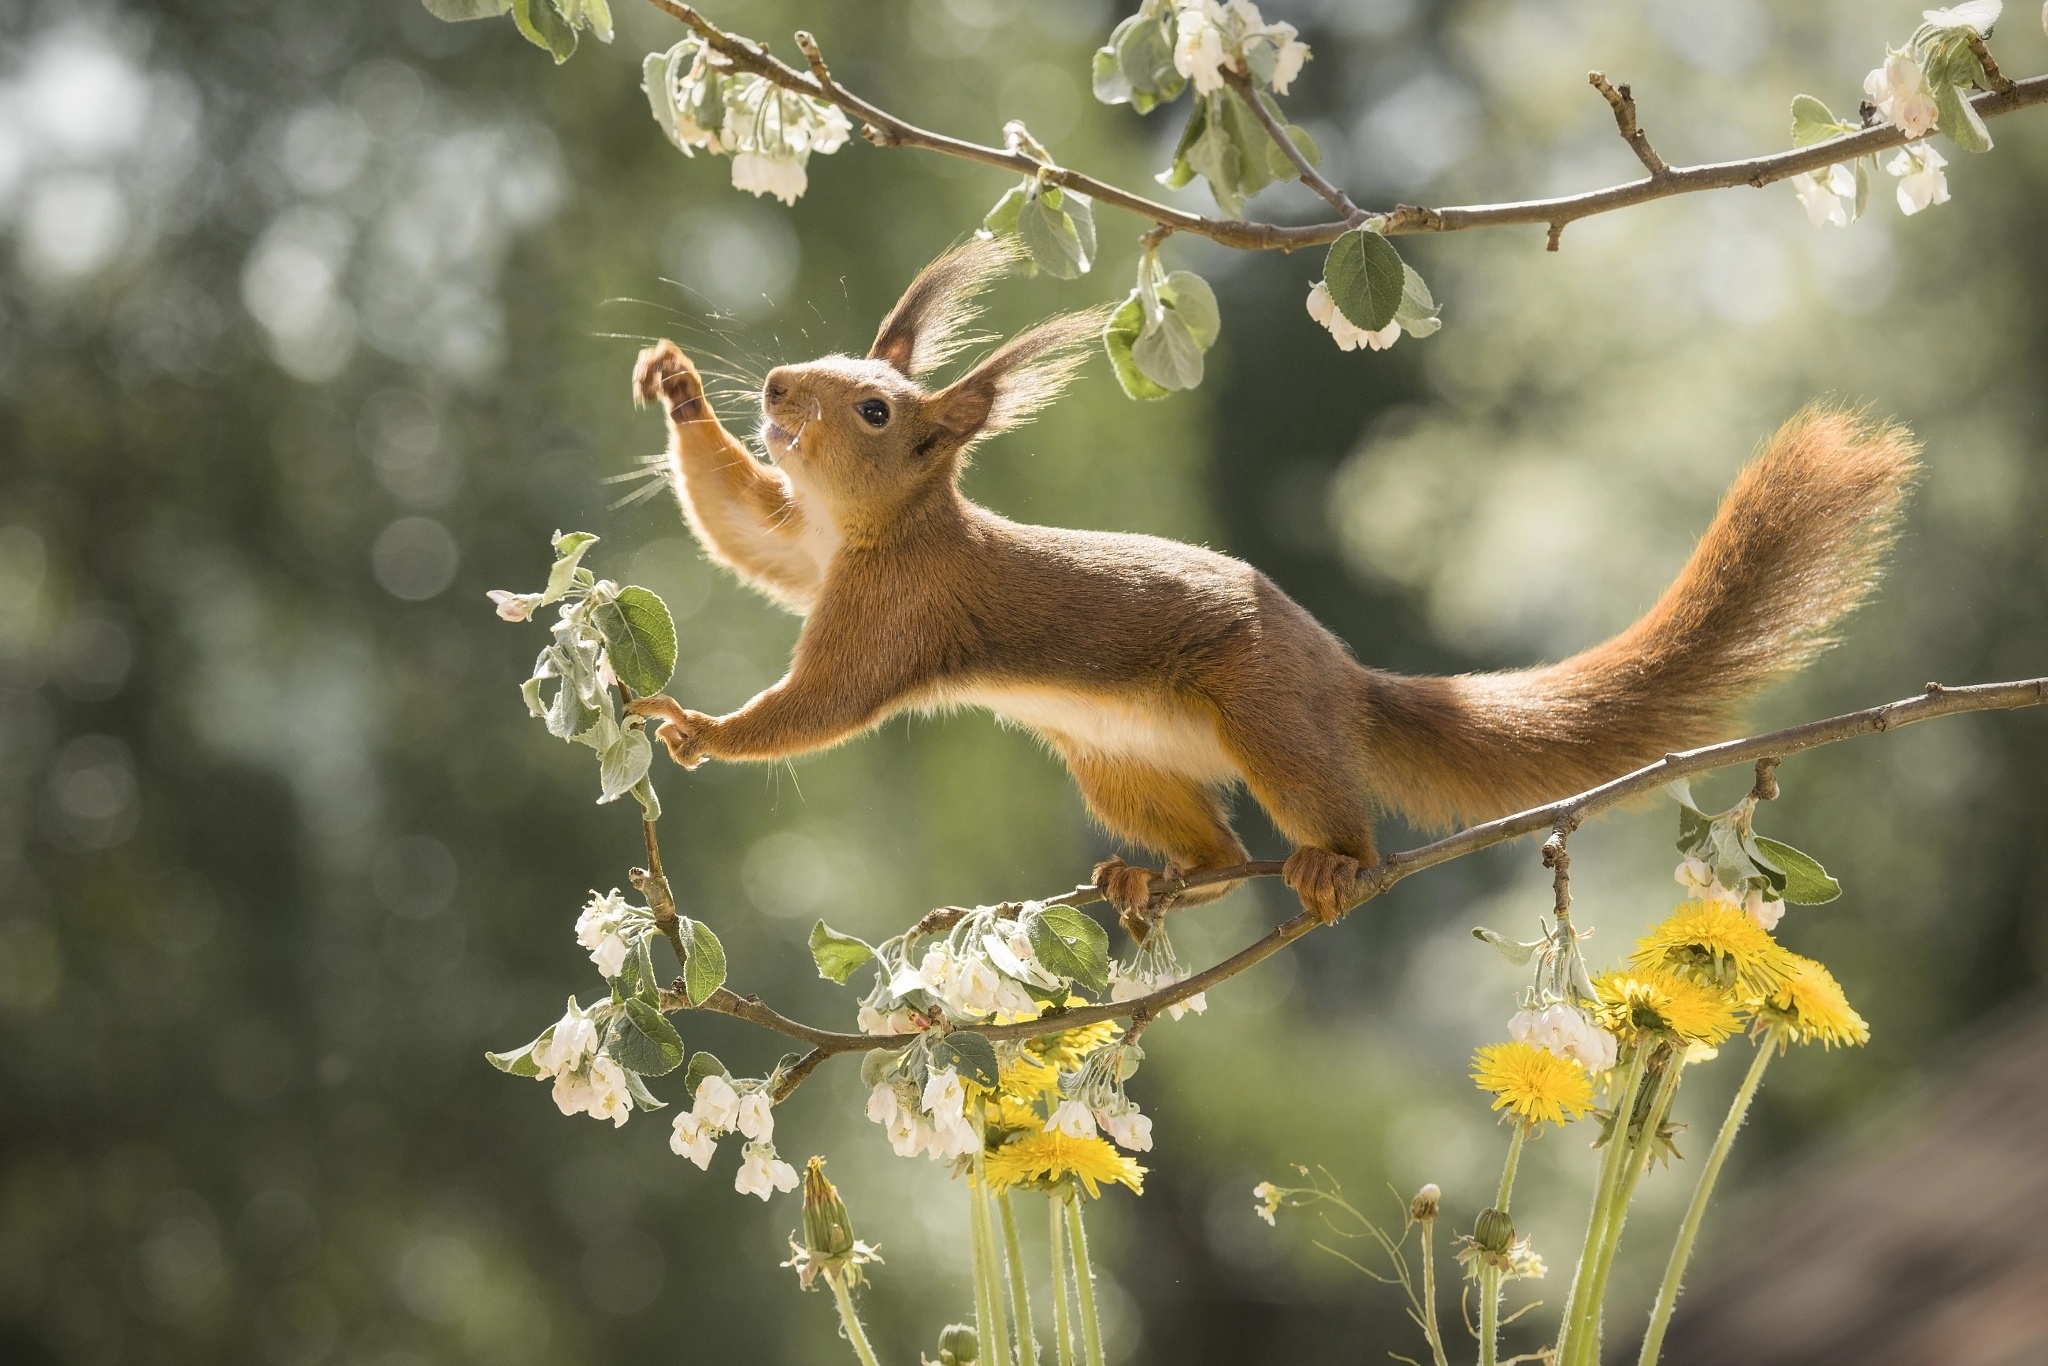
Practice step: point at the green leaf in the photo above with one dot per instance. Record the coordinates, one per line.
(836, 954)
(1001, 221)
(1167, 354)
(545, 27)
(461, 11)
(1071, 945)
(623, 763)
(704, 967)
(1106, 74)
(1812, 121)
(650, 804)
(1418, 311)
(1806, 882)
(1365, 277)
(1136, 66)
(569, 548)
(1513, 950)
(661, 93)
(1119, 336)
(639, 638)
(519, 1062)
(877, 1065)
(1052, 235)
(642, 1097)
(636, 975)
(1189, 296)
(1960, 120)
(640, 1039)
(594, 15)
(968, 1054)
(703, 1065)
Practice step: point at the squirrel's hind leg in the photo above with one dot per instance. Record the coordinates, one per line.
(1320, 801)
(1153, 808)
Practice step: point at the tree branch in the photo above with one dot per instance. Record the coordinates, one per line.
(1310, 175)
(886, 130)
(1993, 77)
(1560, 817)
(1623, 102)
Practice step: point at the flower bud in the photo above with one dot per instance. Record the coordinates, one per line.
(1494, 1233)
(828, 1228)
(958, 1345)
(1426, 1203)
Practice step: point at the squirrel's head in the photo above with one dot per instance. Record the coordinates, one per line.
(867, 438)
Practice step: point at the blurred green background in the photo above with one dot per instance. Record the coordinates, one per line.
(317, 320)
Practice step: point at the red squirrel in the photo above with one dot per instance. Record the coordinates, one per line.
(1164, 673)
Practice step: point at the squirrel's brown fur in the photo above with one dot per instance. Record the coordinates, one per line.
(1161, 672)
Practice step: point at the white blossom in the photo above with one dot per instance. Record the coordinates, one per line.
(694, 1138)
(1198, 48)
(1268, 1196)
(758, 173)
(945, 1097)
(956, 1138)
(1765, 913)
(1566, 1032)
(1921, 180)
(1349, 335)
(873, 1021)
(1977, 15)
(757, 1117)
(602, 914)
(762, 1172)
(1900, 92)
(610, 955)
(1694, 874)
(882, 1104)
(1128, 986)
(716, 1103)
(572, 1092)
(1073, 1119)
(1211, 38)
(1127, 1128)
(1830, 201)
(908, 1133)
(573, 1039)
(609, 1098)
(514, 606)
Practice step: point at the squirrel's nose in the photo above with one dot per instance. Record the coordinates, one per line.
(776, 389)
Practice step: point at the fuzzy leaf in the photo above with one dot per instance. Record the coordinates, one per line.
(1070, 944)
(1812, 121)
(623, 763)
(545, 28)
(640, 1039)
(461, 11)
(1119, 336)
(836, 954)
(569, 548)
(1960, 120)
(1513, 950)
(970, 1055)
(704, 968)
(703, 1065)
(1806, 882)
(639, 638)
(1366, 278)
(519, 1061)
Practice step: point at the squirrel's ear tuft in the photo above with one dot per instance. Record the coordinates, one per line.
(929, 324)
(1019, 378)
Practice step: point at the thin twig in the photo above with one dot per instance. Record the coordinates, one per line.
(1311, 176)
(1623, 101)
(1993, 77)
(887, 130)
(1558, 816)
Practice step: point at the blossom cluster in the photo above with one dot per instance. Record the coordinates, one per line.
(769, 132)
(586, 1081)
(718, 1109)
(610, 928)
(1323, 308)
(1213, 37)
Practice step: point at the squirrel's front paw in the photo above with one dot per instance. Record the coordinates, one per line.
(1328, 884)
(664, 375)
(684, 732)
(1126, 888)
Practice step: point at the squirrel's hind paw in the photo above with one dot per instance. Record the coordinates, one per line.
(1328, 884)
(1127, 889)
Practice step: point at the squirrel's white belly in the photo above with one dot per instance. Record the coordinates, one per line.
(1177, 738)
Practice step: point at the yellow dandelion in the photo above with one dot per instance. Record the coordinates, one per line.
(1533, 1084)
(1811, 1008)
(1715, 943)
(1067, 1051)
(1632, 1002)
(1044, 1158)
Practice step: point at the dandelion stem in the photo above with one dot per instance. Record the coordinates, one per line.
(1057, 1236)
(1637, 1161)
(1084, 1282)
(1681, 1251)
(1020, 1292)
(1570, 1330)
(850, 1321)
(983, 1316)
(1489, 1274)
(995, 1345)
(1507, 1174)
(1430, 1331)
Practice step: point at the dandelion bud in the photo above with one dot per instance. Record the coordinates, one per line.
(958, 1345)
(1494, 1233)
(828, 1228)
(1426, 1203)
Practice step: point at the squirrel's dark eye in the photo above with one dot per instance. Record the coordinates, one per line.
(873, 411)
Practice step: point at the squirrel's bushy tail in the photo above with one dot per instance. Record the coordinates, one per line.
(1795, 547)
